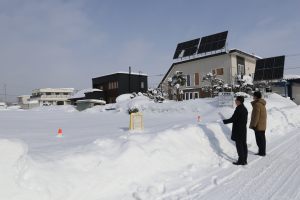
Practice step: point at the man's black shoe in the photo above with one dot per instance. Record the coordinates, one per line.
(260, 154)
(240, 163)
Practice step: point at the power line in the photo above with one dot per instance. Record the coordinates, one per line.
(9, 94)
(291, 55)
(157, 75)
(292, 68)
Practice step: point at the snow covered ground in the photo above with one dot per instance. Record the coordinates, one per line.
(175, 157)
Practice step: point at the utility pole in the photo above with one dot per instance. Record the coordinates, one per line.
(129, 81)
(5, 93)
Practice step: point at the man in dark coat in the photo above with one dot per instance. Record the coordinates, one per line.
(239, 130)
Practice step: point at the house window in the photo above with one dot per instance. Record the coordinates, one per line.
(191, 95)
(113, 85)
(196, 78)
(186, 96)
(196, 95)
(241, 69)
(220, 71)
(142, 85)
(240, 61)
(188, 80)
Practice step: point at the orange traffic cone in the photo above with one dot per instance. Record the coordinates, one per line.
(59, 132)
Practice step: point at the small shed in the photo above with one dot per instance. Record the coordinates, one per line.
(289, 87)
(85, 94)
(3, 105)
(88, 103)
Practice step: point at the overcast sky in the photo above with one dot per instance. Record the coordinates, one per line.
(66, 43)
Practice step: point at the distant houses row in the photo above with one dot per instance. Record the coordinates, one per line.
(194, 64)
(105, 89)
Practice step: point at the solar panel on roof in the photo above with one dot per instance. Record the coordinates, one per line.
(188, 48)
(213, 42)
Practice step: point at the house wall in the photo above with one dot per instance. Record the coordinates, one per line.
(52, 96)
(201, 66)
(204, 65)
(296, 92)
(249, 64)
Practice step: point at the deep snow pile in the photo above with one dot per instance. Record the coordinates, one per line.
(98, 158)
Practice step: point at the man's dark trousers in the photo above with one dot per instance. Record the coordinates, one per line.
(242, 150)
(260, 137)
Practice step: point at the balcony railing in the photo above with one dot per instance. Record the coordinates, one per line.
(51, 97)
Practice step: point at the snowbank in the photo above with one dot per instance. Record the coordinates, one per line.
(98, 158)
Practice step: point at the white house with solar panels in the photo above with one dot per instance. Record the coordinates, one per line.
(198, 57)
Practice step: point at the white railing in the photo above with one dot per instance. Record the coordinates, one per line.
(53, 97)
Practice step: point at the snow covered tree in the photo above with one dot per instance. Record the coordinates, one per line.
(244, 83)
(175, 82)
(155, 94)
(213, 85)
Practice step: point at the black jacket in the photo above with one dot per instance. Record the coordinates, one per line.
(239, 123)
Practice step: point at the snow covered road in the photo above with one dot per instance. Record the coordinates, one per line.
(276, 176)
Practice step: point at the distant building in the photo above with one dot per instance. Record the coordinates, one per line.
(25, 103)
(289, 87)
(24, 99)
(87, 94)
(226, 65)
(52, 96)
(119, 83)
(3, 105)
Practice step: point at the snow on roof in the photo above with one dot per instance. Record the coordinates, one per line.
(81, 93)
(24, 96)
(251, 54)
(33, 102)
(291, 76)
(132, 73)
(53, 90)
(92, 101)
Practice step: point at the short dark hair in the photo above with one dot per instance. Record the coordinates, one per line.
(240, 99)
(257, 94)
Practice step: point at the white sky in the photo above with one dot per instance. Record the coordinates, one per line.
(64, 43)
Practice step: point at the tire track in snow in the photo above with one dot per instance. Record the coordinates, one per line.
(220, 180)
(263, 180)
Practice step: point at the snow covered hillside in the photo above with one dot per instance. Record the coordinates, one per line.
(175, 157)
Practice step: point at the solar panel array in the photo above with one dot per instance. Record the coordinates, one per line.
(186, 48)
(207, 44)
(213, 42)
(269, 68)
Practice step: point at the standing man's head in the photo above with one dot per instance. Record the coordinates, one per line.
(256, 95)
(239, 100)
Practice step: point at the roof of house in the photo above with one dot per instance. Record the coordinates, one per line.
(81, 93)
(291, 76)
(132, 73)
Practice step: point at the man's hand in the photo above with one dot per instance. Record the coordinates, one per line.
(222, 116)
